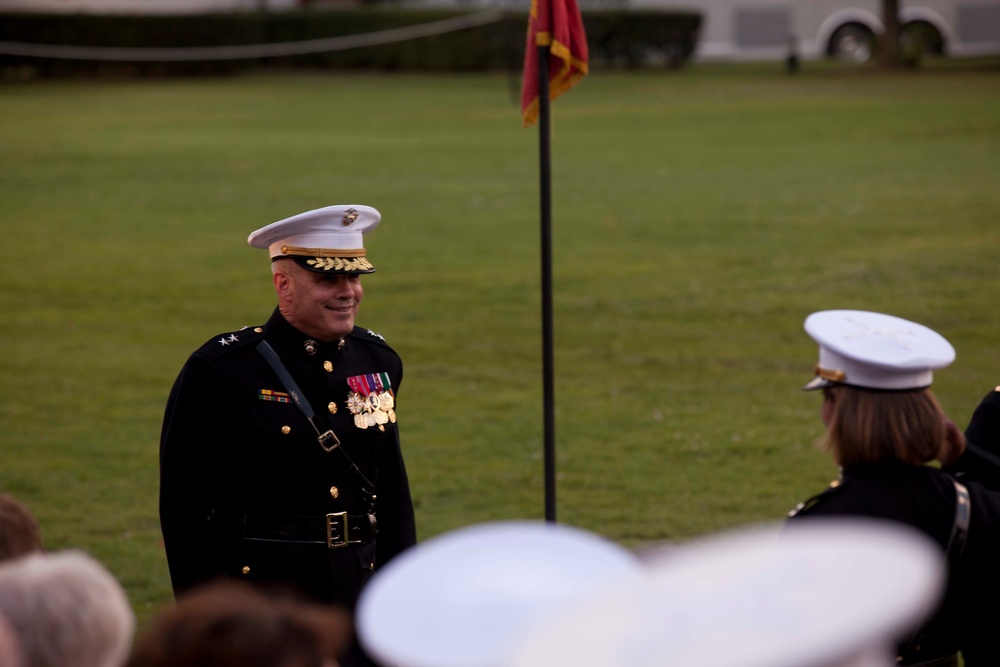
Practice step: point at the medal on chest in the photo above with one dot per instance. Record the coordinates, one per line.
(371, 401)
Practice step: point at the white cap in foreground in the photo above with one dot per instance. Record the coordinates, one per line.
(833, 593)
(464, 598)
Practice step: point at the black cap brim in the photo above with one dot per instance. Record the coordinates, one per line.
(817, 383)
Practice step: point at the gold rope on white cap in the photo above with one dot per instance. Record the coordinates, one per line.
(321, 252)
(831, 375)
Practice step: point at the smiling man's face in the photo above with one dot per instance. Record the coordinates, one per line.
(321, 305)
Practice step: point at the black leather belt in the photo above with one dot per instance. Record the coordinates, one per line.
(335, 530)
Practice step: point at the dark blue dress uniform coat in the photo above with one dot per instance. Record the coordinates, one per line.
(237, 452)
(924, 498)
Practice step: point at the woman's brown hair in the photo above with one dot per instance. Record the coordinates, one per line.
(869, 427)
(229, 624)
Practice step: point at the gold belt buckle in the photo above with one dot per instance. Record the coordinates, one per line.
(331, 520)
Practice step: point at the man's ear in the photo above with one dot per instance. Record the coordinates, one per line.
(282, 285)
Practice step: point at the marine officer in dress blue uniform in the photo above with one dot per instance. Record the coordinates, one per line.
(280, 461)
(884, 426)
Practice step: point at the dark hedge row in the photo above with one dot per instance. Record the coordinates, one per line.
(616, 38)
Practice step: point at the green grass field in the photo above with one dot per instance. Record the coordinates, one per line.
(700, 216)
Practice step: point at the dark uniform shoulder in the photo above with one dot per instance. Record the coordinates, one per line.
(231, 341)
(803, 508)
(369, 336)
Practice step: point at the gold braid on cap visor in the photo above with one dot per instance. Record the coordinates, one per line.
(331, 259)
(833, 376)
(340, 264)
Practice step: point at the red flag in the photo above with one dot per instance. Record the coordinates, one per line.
(558, 25)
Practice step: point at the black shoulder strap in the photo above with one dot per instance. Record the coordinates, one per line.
(956, 544)
(960, 528)
(289, 383)
(328, 440)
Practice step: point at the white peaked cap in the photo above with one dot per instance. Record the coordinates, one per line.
(324, 240)
(875, 351)
(831, 593)
(462, 599)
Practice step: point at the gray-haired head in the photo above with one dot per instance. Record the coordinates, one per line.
(65, 608)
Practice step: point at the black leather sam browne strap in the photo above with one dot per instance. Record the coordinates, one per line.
(328, 440)
(960, 527)
(910, 654)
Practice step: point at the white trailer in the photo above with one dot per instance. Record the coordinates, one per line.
(771, 29)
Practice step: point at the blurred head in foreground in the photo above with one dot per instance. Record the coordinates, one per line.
(231, 624)
(65, 608)
(19, 532)
(10, 648)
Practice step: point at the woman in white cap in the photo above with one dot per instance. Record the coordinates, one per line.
(883, 425)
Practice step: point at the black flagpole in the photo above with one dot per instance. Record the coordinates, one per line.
(548, 366)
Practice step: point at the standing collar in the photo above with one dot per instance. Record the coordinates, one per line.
(282, 333)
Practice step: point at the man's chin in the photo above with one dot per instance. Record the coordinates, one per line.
(340, 329)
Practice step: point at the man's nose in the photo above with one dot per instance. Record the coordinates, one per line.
(342, 287)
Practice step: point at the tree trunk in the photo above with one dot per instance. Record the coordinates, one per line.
(889, 45)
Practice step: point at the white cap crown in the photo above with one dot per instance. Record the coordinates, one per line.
(875, 351)
(324, 240)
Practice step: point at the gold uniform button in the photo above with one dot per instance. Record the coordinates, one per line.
(332, 407)
(286, 429)
(246, 569)
(334, 492)
(371, 567)
(258, 330)
(328, 366)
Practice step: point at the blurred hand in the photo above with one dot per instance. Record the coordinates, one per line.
(953, 445)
